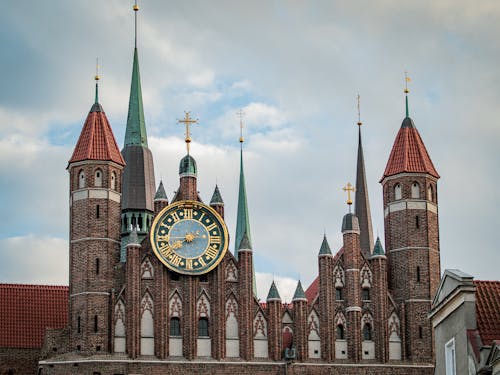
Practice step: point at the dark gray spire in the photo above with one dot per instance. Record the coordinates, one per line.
(378, 249)
(160, 193)
(273, 293)
(245, 243)
(325, 247)
(216, 197)
(362, 203)
(299, 293)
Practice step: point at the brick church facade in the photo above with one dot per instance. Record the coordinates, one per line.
(366, 312)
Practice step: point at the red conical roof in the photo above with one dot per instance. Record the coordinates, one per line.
(97, 141)
(409, 153)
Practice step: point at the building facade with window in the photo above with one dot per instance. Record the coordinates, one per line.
(144, 299)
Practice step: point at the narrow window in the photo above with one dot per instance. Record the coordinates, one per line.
(98, 348)
(81, 180)
(338, 294)
(420, 332)
(415, 190)
(365, 292)
(78, 324)
(95, 324)
(97, 266)
(397, 192)
(133, 222)
(203, 327)
(125, 222)
(139, 221)
(98, 178)
(97, 212)
(78, 347)
(417, 222)
(418, 274)
(449, 349)
(204, 278)
(430, 194)
(367, 332)
(340, 332)
(113, 181)
(175, 326)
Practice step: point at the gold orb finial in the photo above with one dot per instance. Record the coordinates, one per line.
(349, 189)
(240, 114)
(135, 7)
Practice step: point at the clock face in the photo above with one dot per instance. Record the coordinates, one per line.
(189, 237)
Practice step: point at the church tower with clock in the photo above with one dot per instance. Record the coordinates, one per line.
(154, 288)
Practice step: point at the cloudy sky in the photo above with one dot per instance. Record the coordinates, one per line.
(295, 68)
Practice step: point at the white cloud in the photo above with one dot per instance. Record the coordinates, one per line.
(34, 259)
(286, 286)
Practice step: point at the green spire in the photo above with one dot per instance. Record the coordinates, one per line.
(325, 247)
(299, 293)
(273, 293)
(378, 249)
(136, 126)
(407, 111)
(242, 221)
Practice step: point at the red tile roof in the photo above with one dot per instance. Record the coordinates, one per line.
(488, 310)
(26, 310)
(97, 141)
(313, 289)
(409, 153)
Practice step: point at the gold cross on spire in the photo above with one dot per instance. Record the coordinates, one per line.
(349, 188)
(187, 121)
(240, 114)
(359, 112)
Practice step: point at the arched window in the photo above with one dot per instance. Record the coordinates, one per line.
(98, 178)
(418, 274)
(367, 332)
(203, 327)
(430, 193)
(175, 326)
(420, 332)
(96, 327)
(113, 181)
(81, 180)
(417, 222)
(397, 192)
(415, 190)
(78, 324)
(340, 332)
(97, 266)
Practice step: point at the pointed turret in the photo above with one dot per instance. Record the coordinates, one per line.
(273, 294)
(138, 177)
(216, 197)
(325, 247)
(161, 200)
(245, 243)
(299, 293)
(378, 249)
(362, 201)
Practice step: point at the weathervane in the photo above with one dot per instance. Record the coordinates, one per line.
(241, 114)
(407, 79)
(96, 78)
(349, 188)
(136, 9)
(187, 121)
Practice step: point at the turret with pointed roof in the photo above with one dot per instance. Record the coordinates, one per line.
(161, 200)
(273, 294)
(138, 176)
(216, 202)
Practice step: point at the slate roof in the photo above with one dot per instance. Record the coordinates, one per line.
(245, 243)
(97, 141)
(299, 292)
(325, 247)
(273, 292)
(409, 153)
(216, 197)
(488, 310)
(27, 310)
(378, 249)
(160, 192)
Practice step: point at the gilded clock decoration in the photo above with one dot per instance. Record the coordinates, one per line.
(189, 237)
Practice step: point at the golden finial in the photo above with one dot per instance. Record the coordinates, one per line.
(187, 121)
(407, 79)
(136, 7)
(349, 188)
(359, 112)
(97, 78)
(240, 114)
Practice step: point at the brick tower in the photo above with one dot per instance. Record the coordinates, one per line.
(412, 236)
(95, 170)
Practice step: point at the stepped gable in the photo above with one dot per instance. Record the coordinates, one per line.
(97, 141)
(27, 310)
(409, 153)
